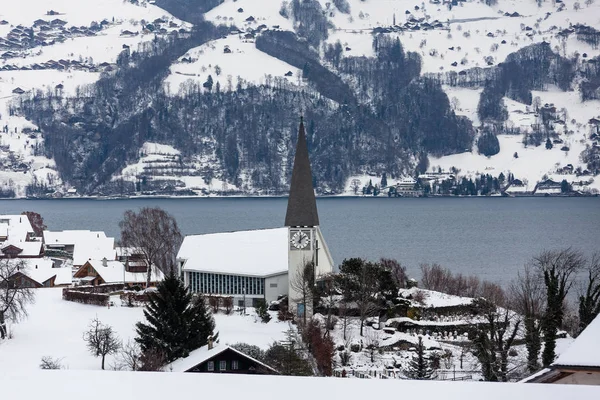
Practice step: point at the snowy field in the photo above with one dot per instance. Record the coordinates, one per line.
(55, 327)
(70, 385)
(241, 62)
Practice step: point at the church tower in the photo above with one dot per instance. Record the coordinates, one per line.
(306, 248)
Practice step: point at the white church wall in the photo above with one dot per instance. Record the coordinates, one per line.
(325, 265)
(276, 286)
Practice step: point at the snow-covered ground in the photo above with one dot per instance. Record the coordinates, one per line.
(97, 385)
(470, 34)
(55, 327)
(532, 162)
(228, 61)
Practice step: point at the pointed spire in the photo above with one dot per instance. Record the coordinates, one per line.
(302, 205)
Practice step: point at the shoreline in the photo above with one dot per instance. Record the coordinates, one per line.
(246, 197)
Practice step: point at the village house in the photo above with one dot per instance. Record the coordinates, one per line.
(220, 359)
(79, 246)
(98, 272)
(17, 238)
(39, 273)
(547, 187)
(579, 364)
(263, 264)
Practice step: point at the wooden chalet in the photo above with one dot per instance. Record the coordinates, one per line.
(219, 359)
(98, 272)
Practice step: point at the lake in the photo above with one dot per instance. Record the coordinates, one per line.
(489, 237)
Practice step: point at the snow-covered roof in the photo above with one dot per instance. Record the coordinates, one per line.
(585, 350)
(202, 354)
(30, 249)
(69, 384)
(435, 299)
(254, 253)
(114, 272)
(88, 245)
(69, 237)
(15, 227)
(40, 270)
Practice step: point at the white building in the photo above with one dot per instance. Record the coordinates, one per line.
(237, 264)
(262, 264)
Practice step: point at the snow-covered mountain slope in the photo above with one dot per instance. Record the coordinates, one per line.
(57, 45)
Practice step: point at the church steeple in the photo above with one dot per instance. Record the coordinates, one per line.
(302, 205)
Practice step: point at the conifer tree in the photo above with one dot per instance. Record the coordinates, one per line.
(383, 180)
(177, 323)
(419, 367)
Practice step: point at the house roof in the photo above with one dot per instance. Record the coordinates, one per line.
(584, 351)
(40, 270)
(202, 354)
(114, 272)
(260, 252)
(302, 205)
(69, 384)
(29, 249)
(88, 245)
(16, 227)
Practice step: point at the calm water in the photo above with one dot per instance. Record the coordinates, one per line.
(489, 237)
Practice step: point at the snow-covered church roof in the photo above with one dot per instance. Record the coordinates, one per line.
(262, 252)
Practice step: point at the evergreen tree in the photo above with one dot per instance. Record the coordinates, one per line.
(419, 367)
(548, 144)
(177, 323)
(383, 180)
(488, 144)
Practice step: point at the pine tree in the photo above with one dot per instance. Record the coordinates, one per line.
(177, 323)
(419, 367)
(383, 180)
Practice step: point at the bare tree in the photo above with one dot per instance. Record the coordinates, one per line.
(372, 343)
(589, 295)
(303, 285)
(129, 357)
(493, 339)
(15, 293)
(154, 233)
(228, 304)
(101, 340)
(527, 298)
(48, 362)
(397, 271)
(36, 221)
(153, 360)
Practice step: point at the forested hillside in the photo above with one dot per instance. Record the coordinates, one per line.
(379, 92)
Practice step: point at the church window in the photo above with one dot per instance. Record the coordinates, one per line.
(210, 366)
(235, 365)
(223, 365)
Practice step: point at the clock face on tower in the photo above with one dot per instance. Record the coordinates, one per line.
(300, 240)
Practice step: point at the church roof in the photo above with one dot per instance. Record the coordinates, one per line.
(260, 253)
(302, 205)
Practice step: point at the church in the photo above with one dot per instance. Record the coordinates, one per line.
(263, 264)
